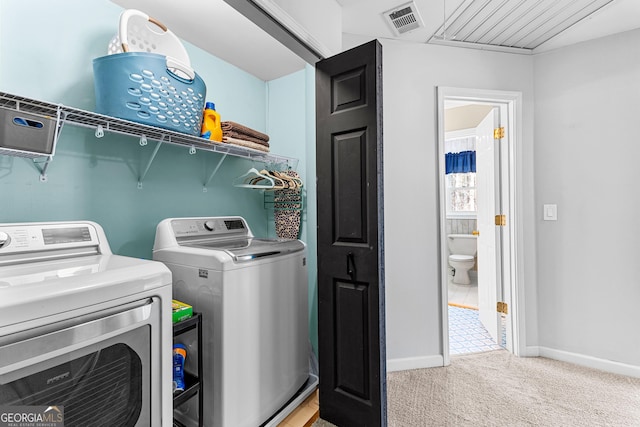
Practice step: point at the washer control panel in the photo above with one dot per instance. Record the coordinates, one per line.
(189, 228)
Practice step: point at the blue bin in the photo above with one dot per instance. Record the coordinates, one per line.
(140, 87)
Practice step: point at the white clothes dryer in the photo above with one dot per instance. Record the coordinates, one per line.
(83, 329)
(252, 294)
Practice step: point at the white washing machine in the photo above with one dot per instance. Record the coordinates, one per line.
(252, 294)
(82, 329)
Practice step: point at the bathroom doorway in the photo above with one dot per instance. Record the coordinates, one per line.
(476, 198)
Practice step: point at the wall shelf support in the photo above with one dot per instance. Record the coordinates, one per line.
(215, 170)
(43, 164)
(151, 159)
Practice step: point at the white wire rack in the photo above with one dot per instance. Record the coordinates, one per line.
(142, 132)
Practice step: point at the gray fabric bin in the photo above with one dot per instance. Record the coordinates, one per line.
(26, 132)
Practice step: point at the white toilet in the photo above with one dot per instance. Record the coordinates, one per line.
(462, 250)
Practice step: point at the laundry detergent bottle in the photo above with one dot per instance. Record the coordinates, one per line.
(211, 126)
(179, 357)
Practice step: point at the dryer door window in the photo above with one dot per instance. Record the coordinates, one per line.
(100, 388)
(98, 370)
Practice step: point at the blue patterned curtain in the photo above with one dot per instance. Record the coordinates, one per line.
(460, 162)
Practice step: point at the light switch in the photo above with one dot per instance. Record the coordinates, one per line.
(550, 213)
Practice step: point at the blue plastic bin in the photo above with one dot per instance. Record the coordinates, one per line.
(140, 87)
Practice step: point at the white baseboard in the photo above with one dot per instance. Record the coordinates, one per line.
(394, 365)
(590, 362)
(530, 351)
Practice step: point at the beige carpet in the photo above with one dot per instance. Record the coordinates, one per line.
(322, 423)
(498, 389)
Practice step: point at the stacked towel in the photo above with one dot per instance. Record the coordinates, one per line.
(234, 133)
(245, 143)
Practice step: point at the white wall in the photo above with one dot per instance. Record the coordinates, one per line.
(580, 276)
(411, 74)
(586, 154)
(321, 18)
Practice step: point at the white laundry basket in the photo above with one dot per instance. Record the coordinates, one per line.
(138, 32)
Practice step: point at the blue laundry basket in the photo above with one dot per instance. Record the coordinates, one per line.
(147, 88)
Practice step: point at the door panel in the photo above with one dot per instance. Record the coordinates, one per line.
(352, 341)
(349, 185)
(350, 238)
(488, 239)
(349, 89)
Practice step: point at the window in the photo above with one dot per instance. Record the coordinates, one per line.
(461, 194)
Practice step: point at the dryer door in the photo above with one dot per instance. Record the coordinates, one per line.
(97, 371)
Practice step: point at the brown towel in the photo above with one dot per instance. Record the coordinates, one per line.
(244, 143)
(235, 130)
(240, 135)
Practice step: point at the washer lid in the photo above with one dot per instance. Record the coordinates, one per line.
(251, 248)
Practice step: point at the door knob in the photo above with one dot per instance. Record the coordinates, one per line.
(475, 232)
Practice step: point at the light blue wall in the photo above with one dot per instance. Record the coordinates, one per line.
(286, 121)
(46, 53)
(311, 216)
(291, 126)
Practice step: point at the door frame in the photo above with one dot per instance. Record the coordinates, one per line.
(510, 104)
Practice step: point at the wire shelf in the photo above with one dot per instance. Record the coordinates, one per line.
(100, 122)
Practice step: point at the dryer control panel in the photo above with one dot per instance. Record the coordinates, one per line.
(38, 237)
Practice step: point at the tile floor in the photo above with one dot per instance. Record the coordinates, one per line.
(466, 332)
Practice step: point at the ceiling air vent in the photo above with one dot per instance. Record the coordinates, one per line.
(403, 18)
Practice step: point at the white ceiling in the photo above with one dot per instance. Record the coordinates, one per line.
(216, 27)
(514, 23)
(365, 17)
(219, 29)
